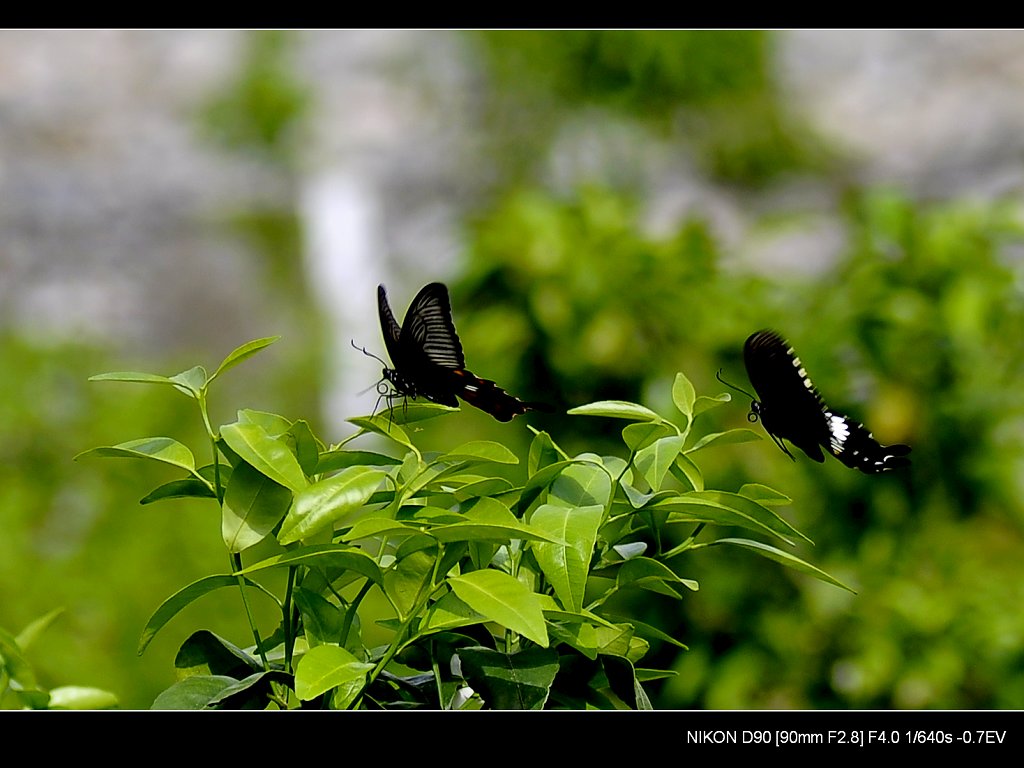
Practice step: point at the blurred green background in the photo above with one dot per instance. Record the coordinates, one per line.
(607, 208)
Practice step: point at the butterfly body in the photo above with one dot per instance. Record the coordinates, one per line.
(428, 360)
(791, 408)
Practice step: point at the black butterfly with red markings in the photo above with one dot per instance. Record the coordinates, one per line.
(791, 408)
(428, 360)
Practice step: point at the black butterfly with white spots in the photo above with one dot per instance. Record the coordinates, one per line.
(428, 360)
(791, 408)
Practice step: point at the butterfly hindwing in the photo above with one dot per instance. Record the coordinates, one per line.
(792, 408)
(488, 396)
(852, 443)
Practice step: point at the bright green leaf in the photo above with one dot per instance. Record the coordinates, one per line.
(616, 409)
(383, 426)
(683, 395)
(727, 509)
(785, 558)
(323, 556)
(504, 600)
(179, 600)
(654, 461)
(705, 403)
(325, 667)
(687, 473)
(243, 352)
(162, 449)
(133, 377)
(320, 505)
(269, 455)
(192, 381)
(763, 494)
(566, 567)
(406, 579)
(331, 461)
(253, 505)
(583, 483)
(481, 450)
(728, 437)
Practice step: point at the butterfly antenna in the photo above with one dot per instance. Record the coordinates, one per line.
(752, 415)
(742, 391)
(368, 354)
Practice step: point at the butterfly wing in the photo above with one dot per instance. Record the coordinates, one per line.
(425, 349)
(490, 398)
(428, 332)
(790, 406)
(852, 443)
(429, 361)
(389, 327)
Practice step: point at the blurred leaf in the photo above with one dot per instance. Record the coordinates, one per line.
(80, 697)
(28, 635)
(194, 692)
(728, 509)
(785, 558)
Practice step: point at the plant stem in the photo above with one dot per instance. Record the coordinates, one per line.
(236, 565)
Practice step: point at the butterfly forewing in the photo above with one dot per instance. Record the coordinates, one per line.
(429, 329)
(790, 406)
(389, 326)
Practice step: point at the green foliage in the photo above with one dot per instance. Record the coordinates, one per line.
(260, 111)
(633, 70)
(712, 91)
(910, 327)
(19, 684)
(495, 595)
